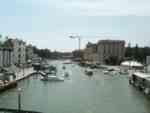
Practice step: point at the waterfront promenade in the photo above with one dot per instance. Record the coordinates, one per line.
(23, 73)
(20, 75)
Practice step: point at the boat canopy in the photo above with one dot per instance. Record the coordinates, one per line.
(132, 64)
(142, 75)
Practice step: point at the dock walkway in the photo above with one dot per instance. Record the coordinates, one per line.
(24, 73)
(20, 75)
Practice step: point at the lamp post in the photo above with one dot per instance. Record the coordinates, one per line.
(23, 69)
(19, 98)
(79, 42)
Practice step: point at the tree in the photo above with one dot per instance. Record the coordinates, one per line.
(128, 52)
(8, 43)
(0, 40)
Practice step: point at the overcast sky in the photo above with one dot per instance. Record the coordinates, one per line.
(48, 23)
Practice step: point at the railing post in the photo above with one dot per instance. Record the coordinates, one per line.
(19, 99)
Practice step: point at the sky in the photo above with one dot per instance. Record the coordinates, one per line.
(49, 23)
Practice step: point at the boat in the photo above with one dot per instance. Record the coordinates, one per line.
(123, 72)
(89, 72)
(110, 71)
(106, 72)
(67, 62)
(141, 81)
(50, 74)
(50, 70)
(66, 74)
(64, 67)
(52, 78)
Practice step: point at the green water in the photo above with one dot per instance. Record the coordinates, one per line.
(78, 94)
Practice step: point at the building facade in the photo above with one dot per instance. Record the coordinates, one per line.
(110, 48)
(18, 51)
(90, 53)
(29, 52)
(148, 60)
(6, 57)
(104, 50)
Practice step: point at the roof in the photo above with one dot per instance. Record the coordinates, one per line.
(112, 41)
(142, 75)
(132, 64)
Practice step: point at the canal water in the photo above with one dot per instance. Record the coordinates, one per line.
(78, 94)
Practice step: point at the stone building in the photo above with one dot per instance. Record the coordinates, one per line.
(6, 57)
(110, 48)
(90, 53)
(18, 51)
(29, 52)
(104, 50)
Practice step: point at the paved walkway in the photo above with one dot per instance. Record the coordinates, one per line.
(23, 73)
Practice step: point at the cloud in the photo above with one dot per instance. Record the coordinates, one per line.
(107, 7)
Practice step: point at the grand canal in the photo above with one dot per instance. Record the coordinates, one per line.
(78, 94)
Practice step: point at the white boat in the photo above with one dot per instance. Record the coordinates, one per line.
(106, 72)
(141, 81)
(67, 62)
(52, 78)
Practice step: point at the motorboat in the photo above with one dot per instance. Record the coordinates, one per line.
(106, 72)
(50, 70)
(110, 71)
(64, 67)
(67, 62)
(51, 75)
(67, 74)
(52, 78)
(141, 81)
(123, 72)
(89, 72)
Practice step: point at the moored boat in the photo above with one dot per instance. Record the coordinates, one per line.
(52, 78)
(141, 81)
(89, 72)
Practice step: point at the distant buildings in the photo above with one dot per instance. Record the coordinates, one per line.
(5, 57)
(105, 51)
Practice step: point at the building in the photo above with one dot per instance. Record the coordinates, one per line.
(107, 49)
(90, 53)
(148, 60)
(5, 57)
(36, 59)
(18, 49)
(29, 53)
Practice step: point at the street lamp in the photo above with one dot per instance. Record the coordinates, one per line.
(79, 42)
(23, 69)
(19, 98)
(76, 37)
